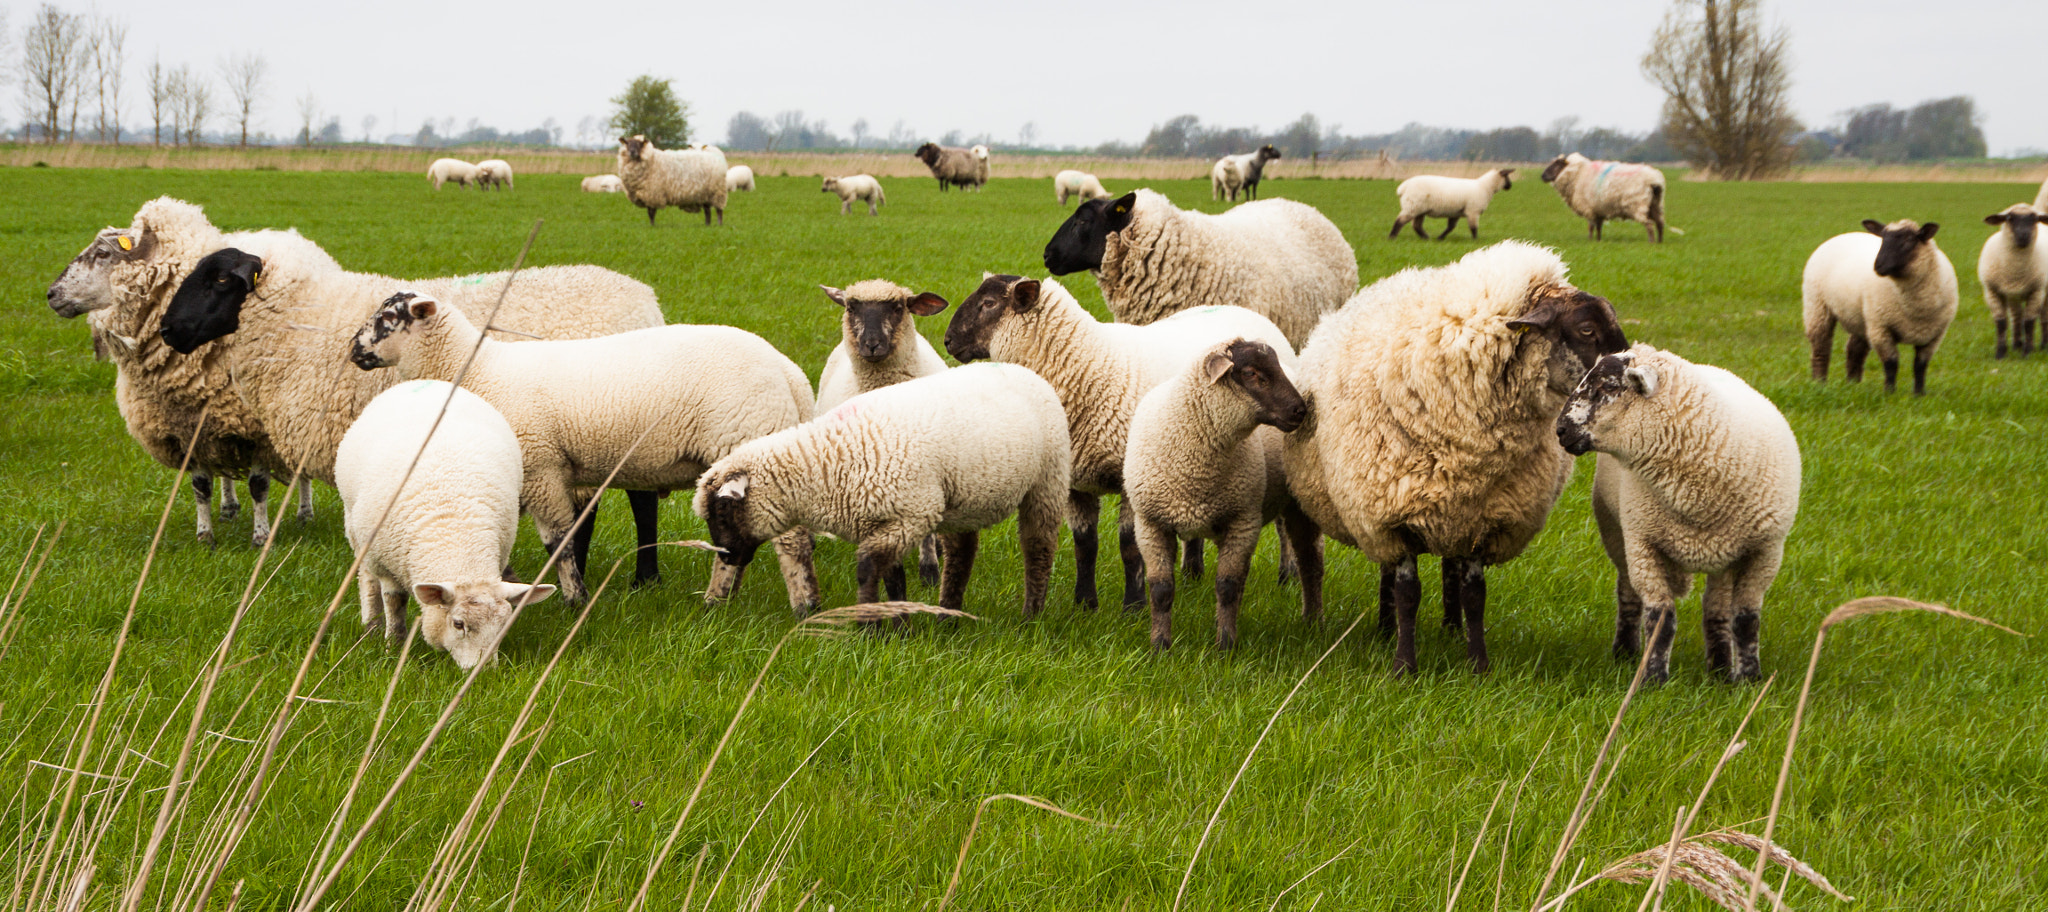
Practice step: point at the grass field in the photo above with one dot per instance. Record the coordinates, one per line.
(1920, 775)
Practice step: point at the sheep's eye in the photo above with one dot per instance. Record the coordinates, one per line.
(458, 624)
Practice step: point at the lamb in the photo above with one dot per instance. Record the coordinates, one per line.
(603, 183)
(1232, 173)
(1448, 198)
(582, 409)
(1697, 473)
(493, 172)
(445, 535)
(1433, 395)
(1204, 461)
(2014, 271)
(739, 177)
(980, 165)
(692, 180)
(1602, 190)
(855, 187)
(954, 167)
(1101, 370)
(949, 454)
(1887, 287)
(444, 170)
(1077, 183)
(1278, 257)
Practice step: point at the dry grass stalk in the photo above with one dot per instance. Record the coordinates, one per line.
(371, 745)
(953, 885)
(1311, 873)
(1500, 875)
(1451, 902)
(17, 594)
(1698, 864)
(1735, 746)
(763, 812)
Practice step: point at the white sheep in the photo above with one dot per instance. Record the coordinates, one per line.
(1077, 184)
(647, 409)
(444, 170)
(1452, 198)
(692, 180)
(1101, 371)
(1888, 285)
(739, 177)
(444, 538)
(1697, 473)
(949, 454)
(1233, 173)
(603, 183)
(1204, 461)
(855, 187)
(980, 154)
(1279, 257)
(2014, 272)
(493, 172)
(1434, 396)
(1602, 190)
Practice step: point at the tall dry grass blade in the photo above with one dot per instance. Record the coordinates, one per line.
(1500, 876)
(1218, 813)
(1451, 902)
(519, 878)
(11, 607)
(1654, 898)
(339, 819)
(696, 870)
(1311, 873)
(28, 556)
(763, 812)
(953, 885)
(483, 834)
(1777, 855)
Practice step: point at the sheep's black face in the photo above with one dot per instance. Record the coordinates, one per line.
(726, 519)
(877, 327)
(1507, 179)
(1079, 242)
(1555, 168)
(370, 350)
(928, 153)
(974, 322)
(1601, 386)
(85, 284)
(1255, 368)
(1268, 153)
(635, 145)
(1584, 325)
(1899, 244)
(2021, 220)
(208, 304)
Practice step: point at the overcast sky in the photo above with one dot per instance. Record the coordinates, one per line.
(1083, 72)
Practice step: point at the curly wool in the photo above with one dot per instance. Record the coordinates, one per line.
(689, 179)
(1278, 258)
(1611, 190)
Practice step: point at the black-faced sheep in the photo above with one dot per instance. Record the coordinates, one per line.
(954, 167)
(2014, 270)
(1888, 285)
(1602, 190)
(1233, 173)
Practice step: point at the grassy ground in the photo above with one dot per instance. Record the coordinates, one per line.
(1921, 773)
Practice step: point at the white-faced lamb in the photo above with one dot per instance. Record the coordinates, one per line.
(1697, 473)
(855, 187)
(1077, 184)
(1204, 461)
(739, 177)
(1280, 258)
(1434, 396)
(494, 172)
(1602, 190)
(1451, 198)
(980, 166)
(1101, 371)
(692, 180)
(1233, 173)
(948, 455)
(647, 410)
(445, 536)
(603, 183)
(444, 170)
(954, 167)
(1888, 285)
(2014, 270)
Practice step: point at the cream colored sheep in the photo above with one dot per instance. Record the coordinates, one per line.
(603, 183)
(1888, 286)
(1449, 198)
(855, 187)
(493, 172)
(2013, 268)
(1602, 190)
(739, 177)
(1233, 173)
(692, 180)
(1077, 184)
(444, 170)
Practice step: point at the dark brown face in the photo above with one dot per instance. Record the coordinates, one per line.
(1555, 168)
(928, 153)
(1268, 153)
(1507, 179)
(1601, 386)
(2021, 223)
(879, 326)
(634, 146)
(975, 320)
(1255, 368)
(725, 518)
(1583, 324)
(1899, 244)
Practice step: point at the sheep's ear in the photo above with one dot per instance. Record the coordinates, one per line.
(434, 594)
(1507, 172)
(838, 297)
(1873, 226)
(1121, 210)
(421, 308)
(1024, 295)
(1642, 379)
(926, 304)
(1998, 219)
(1540, 318)
(1216, 365)
(735, 486)
(512, 591)
(1927, 231)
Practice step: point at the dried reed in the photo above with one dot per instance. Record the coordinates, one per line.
(959, 864)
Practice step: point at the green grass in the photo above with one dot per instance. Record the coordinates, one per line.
(1920, 776)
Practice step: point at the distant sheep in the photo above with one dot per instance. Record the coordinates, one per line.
(739, 177)
(954, 167)
(980, 165)
(2014, 270)
(1602, 190)
(603, 183)
(1448, 198)
(1233, 173)
(692, 180)
(1888, 286)
(495, 172)
(444, 170)
(1079, 184)
(855, 187)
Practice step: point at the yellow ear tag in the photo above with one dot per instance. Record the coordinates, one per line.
(1122, 209)
(126, 242)
(258, 278)
(1521, 329)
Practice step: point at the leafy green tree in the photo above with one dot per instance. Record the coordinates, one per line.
(649, 107)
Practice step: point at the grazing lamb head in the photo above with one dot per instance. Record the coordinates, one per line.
(208, 304)
(1581, 327)
(380, 343)
(1900, 246)
(1079, 242)
(2019, 218)
(727, 516)
(468, 619)
(1592, 406)
(878, 316)
(974, 322)
(1254, 368)
(87, 282)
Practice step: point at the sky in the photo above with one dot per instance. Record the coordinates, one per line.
(1081, 72)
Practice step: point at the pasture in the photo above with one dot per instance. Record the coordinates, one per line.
(1919, 781)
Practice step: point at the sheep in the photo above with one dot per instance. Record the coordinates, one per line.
(953, 167)
(1232, 173)
(692, 180)
(1204, 461)
(443, 538)
(2014, 272)
(493, 172)
(1602, 190)
(949, 454)
(2041, 199)
(739, 177)
(1279, 257)
(1101, 370)
(1077, 183)
(1433, 398)
(646, 410)
(1448, 198)
(1697, 473)
(603, 183)
(1888, 285)
(855, 187)
(980, 166)
(444, 170)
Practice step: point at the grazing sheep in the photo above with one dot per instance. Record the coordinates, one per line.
(1077, 183)
(949, 454)
(739, 177)
(1697, 473)
(1602, 190)
(1101, 371)
(1448, 198)
(1434, 396)
(493, 172)
(1888, 287)
(2014, 271)
(954, 167)
(1232, 173)
(603, 183)
(444, 538)
(692, 180)
(855, 187)
(444, 170)
(1204, 461)
(1279, 258)
(646, 410)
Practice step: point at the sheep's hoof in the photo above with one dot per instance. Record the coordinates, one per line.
(648, 580)
(1226, 641)
(928, 574)
(231, 509)
(804, 610)
(1162, 643)
(206, 538)
(257, 539)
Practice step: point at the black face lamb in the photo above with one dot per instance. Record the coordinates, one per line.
(2021, 224)
(726, 521)
(634, 144)
(1901, 243)
(1255, 368)
(208, 304)
(878, 325)
(1606, 382)
(1079, 242)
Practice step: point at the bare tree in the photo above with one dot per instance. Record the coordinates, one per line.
(309, 111)
(194, 103)
(50, 67)
(1726, 85)
(158, 81)
(109, 60)
(860, 132)
(245, 74)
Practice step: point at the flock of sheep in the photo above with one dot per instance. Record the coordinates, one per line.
(1247, 380)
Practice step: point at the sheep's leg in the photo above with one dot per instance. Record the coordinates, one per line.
(371, 596)
(1662, 619)
(1450, 225)
(1419, 232)
(1473, 224)
(928, 560)
(586, 527)
(1038, 524)
(1472, 595)
(1191, 560)
(1923, 355)
(1751, 580)
(1305, 542)
(1852, 358)
(1820, 342)
(646, 531)
(1289, 565)
(960, 551)
(1717, 615)
(1999, 352)
(650, 215)
(879, 565)
(305, 500)
(1887, 349)
(230, 507)
(1387, 598)
(1399, 223)
(1233, 563)
(1651, 228)
(871, 208)
(2027, 336)
(1628, 620)
(846, 206)
(1407, 594)
(259, 503)
(794, 552)
(202, 507)
(548, 500)
(1134, 562)
(1084, 513)
(724, 581)
(394, 612)
(1454, 595)
(1156, 543)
